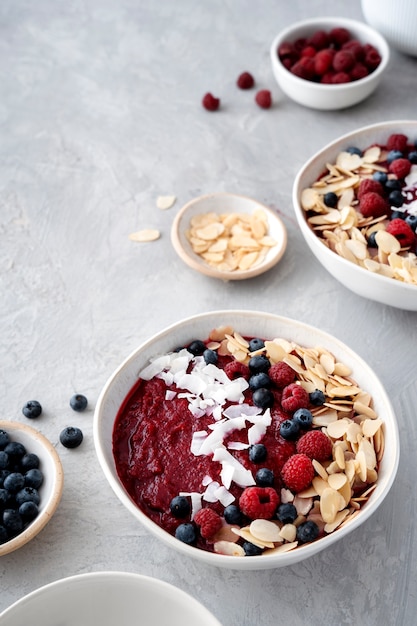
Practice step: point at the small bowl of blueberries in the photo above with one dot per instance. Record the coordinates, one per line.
(355, 201)
(329, 63)
(31, 484)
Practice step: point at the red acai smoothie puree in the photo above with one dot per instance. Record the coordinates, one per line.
(151, 445)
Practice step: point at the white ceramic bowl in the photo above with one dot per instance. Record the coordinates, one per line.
(323, 96)
(396, 21)
(359, 280)
(226, 203)
(248, 323)
(50, 491)
(107, 599)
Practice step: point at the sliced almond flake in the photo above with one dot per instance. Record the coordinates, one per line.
(144, 235)
(338, 429)
(340, 517)
(320, 470)
(368, 492)
(372, 155)
(371, 476)
(350, 470)
(371, 426)
(360, 465)
(340, 369)
(310, 492)
(284, 547)
(387, 242)
(357, 248)
(228, 548)
(352, 432)
(359, 407)
(225, 534)
(348, 162)
(343, 391)
(218, 334)
(247, 536)
(346, 198)
(210, 231)
(308, 199)
(339, 456)
(303, 505)
(288, 532)
(331, 502)
(165, 202)
(265, 531)
(320, 484)
(368, 450)
(336, 481)
(325, 418)
(328, 363)
(275, 351)
(346, 492)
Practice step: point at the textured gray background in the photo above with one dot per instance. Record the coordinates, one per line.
(99, 114)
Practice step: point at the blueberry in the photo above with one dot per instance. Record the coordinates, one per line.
(15, 450)
(28, 511)
(287, 513)
(393, 183)
(257, 453)
(34, 478)
(259, 363)
(71, 437)
(303, 417)
(372, 241)
(259, 380)
(78, 402)
(3, 535)
(3, 474)
(256, 344)
(4, 439)
(398, 215)
(197, 347)
(411, 220)
(307, 531)
(396, 198)
(14, 482)
(317, 397)
(233, 515)
(5, 498)
(263, 398)
(12, 521)
(4, 460)
(180, 507)
(354, 150)
(380, 177)
(412, 157)
(289, 429)
(251, 550)
(210, 357)
(330, 199)
(393, 155)
(27, 494)
(29, 461)
(32, 409)
(264, 477)
(186, 533)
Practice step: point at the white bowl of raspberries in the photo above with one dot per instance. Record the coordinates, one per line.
(356, 204)
(246, 440)
(329, 63)
(31, 484)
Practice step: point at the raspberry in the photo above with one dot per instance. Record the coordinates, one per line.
(358, 71)
(401, 231)
(356, 48)
(263, 99)
(245, 81)
(372, 59)
(281, 374)
(369, 184)
(298, 472)
(400, 167)
(308, 51)
(339, 36)
(340, 77)
(286, 50)
(319, 39)
(316, 445)
(210, 102)
(397, 142)
(304, 68)
(209, 521)
(323, 61)
(327, 78)
(259, 502)
(372, 205)
(234, 370)
(343, 61)
(294, 397)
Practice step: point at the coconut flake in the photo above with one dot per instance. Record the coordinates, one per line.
(195, 501)
(170, 395)
(237, 445)
(224, 496)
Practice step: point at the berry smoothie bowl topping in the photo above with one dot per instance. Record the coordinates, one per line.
(364, 207)
(239, 469)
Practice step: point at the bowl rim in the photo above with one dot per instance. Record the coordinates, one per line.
(299, 213)
(52, 502)
(261, 561)
(383, 49)
(198, 264)
(109, 575)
